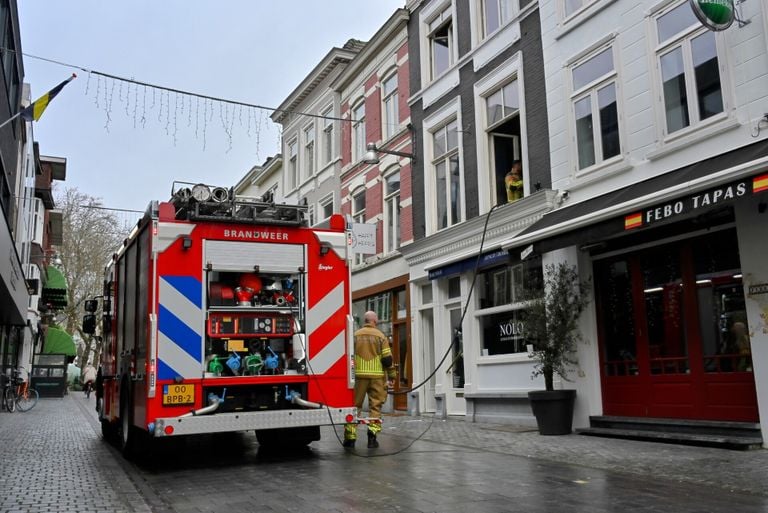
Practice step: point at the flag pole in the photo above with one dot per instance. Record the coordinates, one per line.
(10, 119)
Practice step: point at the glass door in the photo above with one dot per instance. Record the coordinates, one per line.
(674, 341)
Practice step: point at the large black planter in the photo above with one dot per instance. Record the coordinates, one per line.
(553, 410)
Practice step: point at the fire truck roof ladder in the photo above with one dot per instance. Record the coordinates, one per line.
(207, 203)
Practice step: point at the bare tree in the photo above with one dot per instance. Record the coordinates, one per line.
(92, 234)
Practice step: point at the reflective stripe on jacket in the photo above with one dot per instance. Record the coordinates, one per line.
(372, 353)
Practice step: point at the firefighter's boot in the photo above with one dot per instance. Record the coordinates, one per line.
(350, 434)
(372, 442)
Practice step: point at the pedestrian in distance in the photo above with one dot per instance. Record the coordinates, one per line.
(374, 372)
(89, 377)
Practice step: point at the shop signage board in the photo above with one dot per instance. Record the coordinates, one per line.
(714, 14)
(361, 238)
(697, 201)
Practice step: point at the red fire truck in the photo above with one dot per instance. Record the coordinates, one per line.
(225, 313)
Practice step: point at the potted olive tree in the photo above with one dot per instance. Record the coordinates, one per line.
(551, 322)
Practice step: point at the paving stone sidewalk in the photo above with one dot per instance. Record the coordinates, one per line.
(53, 458)
(735, 471)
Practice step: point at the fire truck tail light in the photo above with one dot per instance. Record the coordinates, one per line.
(168, 430)
(349, 418)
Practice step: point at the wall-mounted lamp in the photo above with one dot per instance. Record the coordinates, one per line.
(372, 155)
(186, 242)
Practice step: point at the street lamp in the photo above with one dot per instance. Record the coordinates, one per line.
(372, 151)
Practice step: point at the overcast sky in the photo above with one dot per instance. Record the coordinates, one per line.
(251, 51)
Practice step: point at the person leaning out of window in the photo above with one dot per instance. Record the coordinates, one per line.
(513, 182)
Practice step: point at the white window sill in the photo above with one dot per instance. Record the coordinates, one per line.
(601, 171)
(692, 135)
(497, 359)
(585, 13)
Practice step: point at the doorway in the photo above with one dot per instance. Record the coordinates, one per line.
(672, 328)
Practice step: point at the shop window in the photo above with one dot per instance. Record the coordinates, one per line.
(689, 68)
(457, 348)
(502, 292)
(454, 287)
(722, 310)
(616, 311)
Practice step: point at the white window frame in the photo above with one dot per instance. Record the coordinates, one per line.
(293, 164)
(309, 134)
(445, 159)
(436, 22)
(311, 215)
(512, 69)
(440, 118)
(389, 127)
(324, 203)
(327, 135)
(358, 130)
(392, 208)
(358, 216)
(683, 39)
(511, 13)
(590, 90)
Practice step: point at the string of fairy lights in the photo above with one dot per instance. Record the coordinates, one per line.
(175, 109)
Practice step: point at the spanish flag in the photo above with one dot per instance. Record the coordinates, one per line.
(760, 183)
(36, 109)
(633, 221)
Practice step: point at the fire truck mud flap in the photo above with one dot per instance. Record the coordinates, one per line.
(245, 421)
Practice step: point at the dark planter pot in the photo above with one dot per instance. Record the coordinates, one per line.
(553, 410)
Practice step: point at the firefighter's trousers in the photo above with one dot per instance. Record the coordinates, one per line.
(376, 389)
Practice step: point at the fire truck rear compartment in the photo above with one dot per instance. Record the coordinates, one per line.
(257, 397)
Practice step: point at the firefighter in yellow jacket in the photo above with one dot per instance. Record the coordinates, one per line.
(373, 363)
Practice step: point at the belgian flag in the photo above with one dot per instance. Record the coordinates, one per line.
(36, 109)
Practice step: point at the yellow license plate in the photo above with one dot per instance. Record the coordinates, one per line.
(178, 394)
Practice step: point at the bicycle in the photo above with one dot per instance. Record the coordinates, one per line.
(18, 393)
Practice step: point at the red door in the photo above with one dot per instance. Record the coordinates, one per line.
(673, 334)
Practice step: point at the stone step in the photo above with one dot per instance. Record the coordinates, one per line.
(697, 427)
(705, 440)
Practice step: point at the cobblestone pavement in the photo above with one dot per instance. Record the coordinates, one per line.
(53, 460)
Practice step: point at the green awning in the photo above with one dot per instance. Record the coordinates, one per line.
(58, 341)
(56, 280)
(55, 289)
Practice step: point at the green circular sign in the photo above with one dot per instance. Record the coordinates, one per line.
(714, 14)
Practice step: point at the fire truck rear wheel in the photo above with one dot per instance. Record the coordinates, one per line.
(108, 430)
